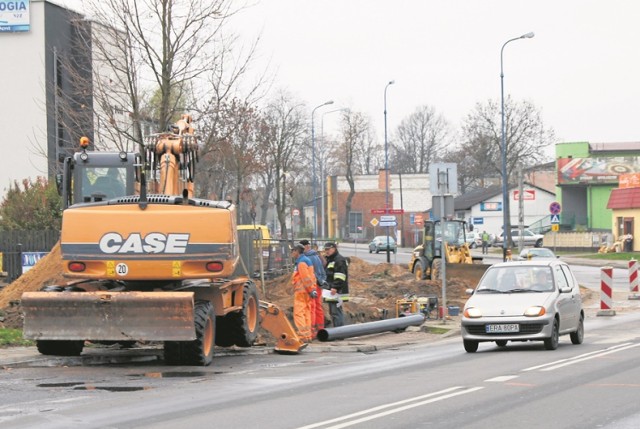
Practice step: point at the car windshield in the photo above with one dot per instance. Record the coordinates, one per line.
(544, 253)
(383, 239)
(517, 279)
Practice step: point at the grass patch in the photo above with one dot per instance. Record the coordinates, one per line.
(621, 256)
(436, 330)
(13, 337)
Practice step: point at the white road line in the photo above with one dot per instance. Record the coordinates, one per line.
(445, 394)
(501, 378)
(533, 368)
(619, 349)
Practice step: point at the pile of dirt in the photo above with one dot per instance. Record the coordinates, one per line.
(374, 289)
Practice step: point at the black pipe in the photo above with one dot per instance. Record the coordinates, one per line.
(378, 326)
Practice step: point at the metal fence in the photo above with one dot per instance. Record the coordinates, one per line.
(14, 243)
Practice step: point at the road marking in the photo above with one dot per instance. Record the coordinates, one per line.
(581, 358)
(403, 405)
(501, 378)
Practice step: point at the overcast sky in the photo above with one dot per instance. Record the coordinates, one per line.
(581, 69)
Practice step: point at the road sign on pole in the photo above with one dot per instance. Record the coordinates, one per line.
(389, 223)
(555, 208)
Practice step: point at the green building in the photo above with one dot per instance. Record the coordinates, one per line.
(587, 173)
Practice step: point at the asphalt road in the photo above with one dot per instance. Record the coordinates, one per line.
(423, 385)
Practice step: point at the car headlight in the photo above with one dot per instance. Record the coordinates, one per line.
(472, 313)
(535, 311)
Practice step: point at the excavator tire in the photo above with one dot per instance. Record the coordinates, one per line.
(60, 347)
(419, 270)
(198, 352)
(241, 327)
(436, 269)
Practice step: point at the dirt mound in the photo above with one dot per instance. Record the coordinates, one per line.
(374, 289)
(47, 271)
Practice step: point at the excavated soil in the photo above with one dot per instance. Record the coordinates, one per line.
(374, 289)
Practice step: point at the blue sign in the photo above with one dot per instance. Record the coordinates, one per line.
(555, 219)
(478, 221)
(14, 15)
(412, 218)
(29, 259)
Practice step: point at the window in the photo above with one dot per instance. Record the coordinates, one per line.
(355, 221)
(560, 278)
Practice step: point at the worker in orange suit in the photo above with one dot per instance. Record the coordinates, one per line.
(304, 290)
(317, 312)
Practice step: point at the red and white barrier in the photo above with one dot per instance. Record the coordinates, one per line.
(606, 283)
(633, 279)
(606, 291)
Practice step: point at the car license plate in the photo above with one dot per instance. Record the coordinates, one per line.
(500, 329)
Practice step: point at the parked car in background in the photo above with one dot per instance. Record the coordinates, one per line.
(474, 239)
(524, 301)
(530, 239)
(380, 243)
(537, 253)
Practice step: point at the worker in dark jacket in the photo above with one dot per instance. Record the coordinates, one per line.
(337, 270)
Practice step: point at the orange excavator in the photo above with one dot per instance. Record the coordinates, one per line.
(149, 262)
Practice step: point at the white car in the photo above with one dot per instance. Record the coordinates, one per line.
(474, 239)
(524, 301)
(530, 238)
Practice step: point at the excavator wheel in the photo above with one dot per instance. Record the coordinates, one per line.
(200, 351)
(241, 327)
(419, 271)
(436, 269)
(60, 347)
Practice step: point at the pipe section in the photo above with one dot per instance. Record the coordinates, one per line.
(378, 326)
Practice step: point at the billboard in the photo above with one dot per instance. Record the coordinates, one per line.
(595, 170)
(14, 16)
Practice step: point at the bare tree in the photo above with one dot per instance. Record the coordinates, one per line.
(355, 134)
(526, 137)
(282, 150)
(420, 140)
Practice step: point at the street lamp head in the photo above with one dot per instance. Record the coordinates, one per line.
(331, 101)
(528, 35)
(391, 82)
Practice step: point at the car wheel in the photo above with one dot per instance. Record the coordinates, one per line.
(501, 343)
(473, 246)
(370, 251)
(470, 346)
(539, 243)
(377, 250)
(578, 336)
(395, 251)
(551, 343)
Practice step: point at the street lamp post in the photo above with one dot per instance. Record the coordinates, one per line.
(313, 169)
(503, 150)
(386, 163)
(322, 164)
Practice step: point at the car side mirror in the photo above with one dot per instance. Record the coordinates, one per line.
(469, 291)
(565, 290)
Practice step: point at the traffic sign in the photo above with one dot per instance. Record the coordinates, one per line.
(555, 227)
(555, 208)
(389, 223)
(378, 211)
(374, 222)
(388, 218)
(395, 211)
(555, 219)
(419, 219)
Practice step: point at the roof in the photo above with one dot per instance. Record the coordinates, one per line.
(624, 198)
(614, 147)
(471, 198)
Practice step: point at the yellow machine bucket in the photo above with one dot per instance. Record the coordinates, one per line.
(275, 321)
(112, 316)
(472, 273)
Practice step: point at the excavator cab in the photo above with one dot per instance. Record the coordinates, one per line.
(90, 176)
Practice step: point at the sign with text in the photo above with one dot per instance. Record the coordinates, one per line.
(387, 218)
(14, 16)
(527, 195)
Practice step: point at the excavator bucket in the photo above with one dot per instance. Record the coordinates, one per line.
(275, 321)
(113, 316)
(471, 273)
